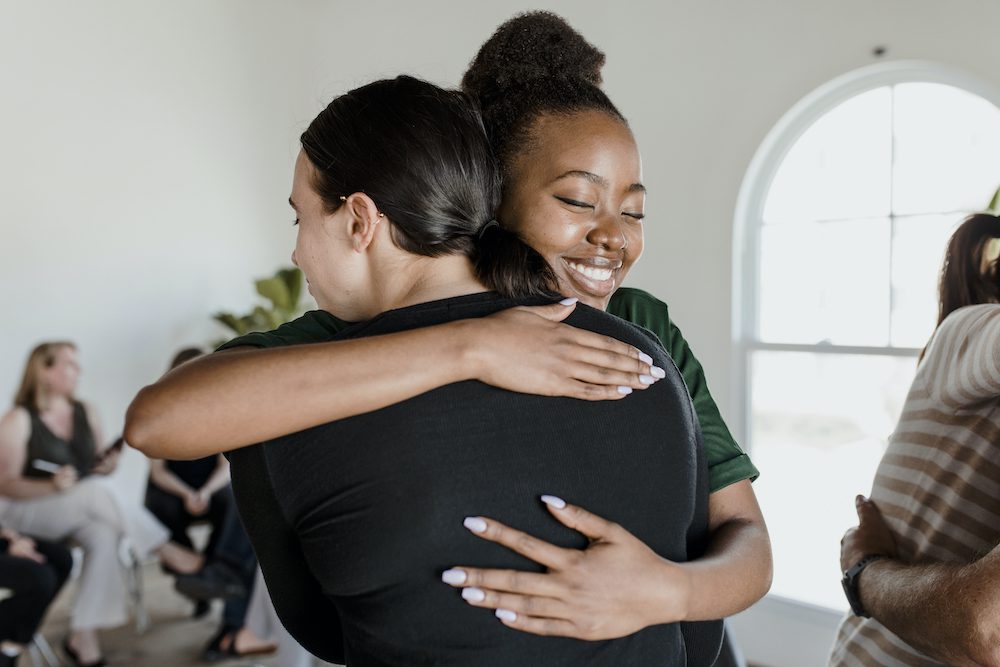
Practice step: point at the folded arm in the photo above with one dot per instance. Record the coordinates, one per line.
(950, 612)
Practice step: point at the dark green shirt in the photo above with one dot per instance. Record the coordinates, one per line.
(727, 463)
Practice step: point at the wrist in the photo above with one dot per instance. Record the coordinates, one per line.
(466, 351)
(670, 594)
(866, 584)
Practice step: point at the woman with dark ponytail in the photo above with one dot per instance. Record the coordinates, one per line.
(354, 521)
(536, 83)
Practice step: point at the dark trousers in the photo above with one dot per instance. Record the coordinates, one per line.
(34, 586)
(169, 509)
(233, 548)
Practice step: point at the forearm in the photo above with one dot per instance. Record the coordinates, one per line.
(949, 612)
(233, 399)
(21, 488)
(218, 480)
(169, 482)
(734, 573)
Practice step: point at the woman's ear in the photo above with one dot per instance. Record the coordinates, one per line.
(363, 221)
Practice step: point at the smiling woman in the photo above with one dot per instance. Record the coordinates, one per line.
(579, 202)
(572, 189)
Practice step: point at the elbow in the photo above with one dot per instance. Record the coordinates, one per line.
(984, 644)
(142, 430)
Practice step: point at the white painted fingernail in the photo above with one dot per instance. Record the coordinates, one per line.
(473, 594)
(454, 577)
(506, 615)
(475, 524)
(658, 372)
(625, 390)
(554, 501)
(569, 301)
(645, 358)
(647, 379)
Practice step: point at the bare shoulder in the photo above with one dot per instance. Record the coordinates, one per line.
(15, 427)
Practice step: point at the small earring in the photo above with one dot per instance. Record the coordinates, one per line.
(381, 214)
(343, 198)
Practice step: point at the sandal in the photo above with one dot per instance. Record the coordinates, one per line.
(214, 652)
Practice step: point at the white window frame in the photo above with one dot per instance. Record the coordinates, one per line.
(807, 629)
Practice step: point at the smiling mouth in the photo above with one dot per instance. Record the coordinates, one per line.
(601, 273)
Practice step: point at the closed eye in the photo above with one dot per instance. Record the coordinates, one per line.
(635, 216)
(573, 202)
(295, 222)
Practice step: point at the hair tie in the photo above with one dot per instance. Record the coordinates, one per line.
(492, 223)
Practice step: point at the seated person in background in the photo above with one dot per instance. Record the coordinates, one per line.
(356, 520)
(53, 485)
(31, 574)
(181, 493)
(918, 583)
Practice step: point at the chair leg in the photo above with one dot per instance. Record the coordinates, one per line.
(41, 653)
(134, 585)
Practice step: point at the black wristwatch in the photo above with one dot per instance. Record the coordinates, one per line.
(850, 584)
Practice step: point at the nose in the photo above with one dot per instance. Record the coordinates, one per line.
(608, 233)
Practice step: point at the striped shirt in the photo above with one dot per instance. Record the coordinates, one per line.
(938, 484)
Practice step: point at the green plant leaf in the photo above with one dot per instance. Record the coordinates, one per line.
(293, 280)
(994, 205)
(229, 320)
(276, 291)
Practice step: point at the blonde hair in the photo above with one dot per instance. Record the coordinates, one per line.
(42, 357)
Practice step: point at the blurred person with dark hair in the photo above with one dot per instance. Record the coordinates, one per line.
(181, 493)
(921, 590)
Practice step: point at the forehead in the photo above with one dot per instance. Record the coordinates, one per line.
(585, 141)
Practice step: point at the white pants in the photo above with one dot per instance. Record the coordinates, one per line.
(97, 519)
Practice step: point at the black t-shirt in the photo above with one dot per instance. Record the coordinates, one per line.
(355, 520)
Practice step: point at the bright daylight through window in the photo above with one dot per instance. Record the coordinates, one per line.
(848, 250)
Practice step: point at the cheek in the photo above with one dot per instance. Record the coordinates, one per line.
(551, 233)
(635, 243)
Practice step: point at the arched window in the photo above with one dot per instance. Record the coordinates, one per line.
(843, 220)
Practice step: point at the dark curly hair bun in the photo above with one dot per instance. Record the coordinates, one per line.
(534, 64)
(533, 45)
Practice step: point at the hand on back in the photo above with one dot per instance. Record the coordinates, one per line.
(530, 350)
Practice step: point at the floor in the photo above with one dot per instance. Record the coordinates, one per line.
(173, 638)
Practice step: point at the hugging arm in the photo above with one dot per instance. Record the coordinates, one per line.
(949, 611)
(618, 585)
(223, 401)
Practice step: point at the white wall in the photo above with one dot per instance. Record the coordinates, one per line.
(146, 147)
(145, 159)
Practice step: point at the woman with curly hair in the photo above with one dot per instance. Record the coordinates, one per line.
(566, 153)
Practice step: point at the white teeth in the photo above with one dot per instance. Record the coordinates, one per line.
(591, 272)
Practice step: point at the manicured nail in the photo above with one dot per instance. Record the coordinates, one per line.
(569, 301)
(475, 524)
(645, 358)
(506, 615)
(554, 501)
(625, 390)
(473, 594)
(647, 379)
(454, 577)
(657, 372)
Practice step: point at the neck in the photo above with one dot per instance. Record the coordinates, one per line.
(413, 280)
(47, 402)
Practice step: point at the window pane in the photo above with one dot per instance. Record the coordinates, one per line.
(947, 149)
(825, 282)
(918, 247)
(820, 425)
(840, 167)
